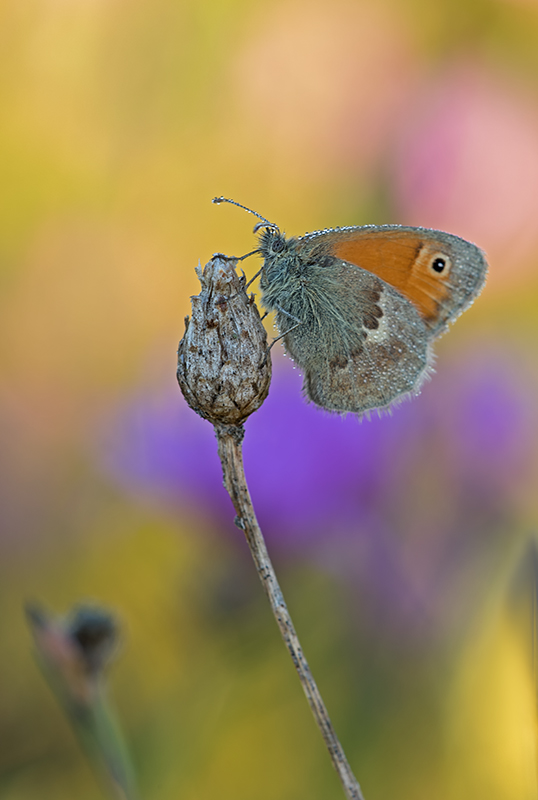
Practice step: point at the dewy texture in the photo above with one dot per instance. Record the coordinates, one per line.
(359, 308)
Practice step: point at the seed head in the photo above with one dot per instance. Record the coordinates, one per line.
(224, 365)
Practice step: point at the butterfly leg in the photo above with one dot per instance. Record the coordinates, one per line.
(224, 257)
(247, 255)
(256, 275)
(295, 319)
(278, 338)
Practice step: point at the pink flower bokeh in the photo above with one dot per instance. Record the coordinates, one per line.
(467, 162)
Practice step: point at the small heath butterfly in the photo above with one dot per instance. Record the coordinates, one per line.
(360, 307)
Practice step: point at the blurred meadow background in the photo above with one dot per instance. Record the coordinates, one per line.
(405, 545)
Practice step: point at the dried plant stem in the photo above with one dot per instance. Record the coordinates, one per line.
(230, 439)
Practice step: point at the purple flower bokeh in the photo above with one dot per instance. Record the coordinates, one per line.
(309, 472)
(401, 506)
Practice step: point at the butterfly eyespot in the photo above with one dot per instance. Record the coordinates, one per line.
(440, 264)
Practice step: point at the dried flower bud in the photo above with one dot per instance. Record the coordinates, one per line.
(224, 366)
(95, 631)
(75, 649)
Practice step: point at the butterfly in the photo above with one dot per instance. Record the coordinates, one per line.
(359, 307)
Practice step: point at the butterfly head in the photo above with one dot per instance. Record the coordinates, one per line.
(272, 243)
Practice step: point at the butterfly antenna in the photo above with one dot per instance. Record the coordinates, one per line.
(265, 222)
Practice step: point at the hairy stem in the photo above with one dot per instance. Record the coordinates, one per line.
(230, 451)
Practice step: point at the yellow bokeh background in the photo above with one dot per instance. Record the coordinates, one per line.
(120, 120)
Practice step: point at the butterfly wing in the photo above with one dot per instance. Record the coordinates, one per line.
(361, 344)
(440, 274)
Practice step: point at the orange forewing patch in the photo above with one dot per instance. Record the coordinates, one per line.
(403, 260)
